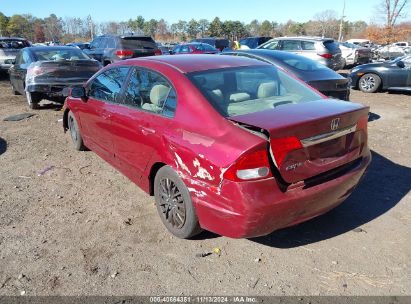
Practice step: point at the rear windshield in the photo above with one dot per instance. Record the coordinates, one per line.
(244, 90)
(56, 55)
(138, 42)
(331, 45)
(13, 44)
(303, 64)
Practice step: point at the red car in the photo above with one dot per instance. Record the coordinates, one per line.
(227, 144)
(194, 48)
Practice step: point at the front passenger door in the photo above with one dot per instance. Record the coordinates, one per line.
(95, 114)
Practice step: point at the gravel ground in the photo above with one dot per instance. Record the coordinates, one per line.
(82, 228)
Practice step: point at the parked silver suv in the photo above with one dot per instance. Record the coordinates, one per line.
(9, 47)
(324, 50)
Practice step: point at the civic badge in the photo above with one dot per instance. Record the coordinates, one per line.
(335, 123)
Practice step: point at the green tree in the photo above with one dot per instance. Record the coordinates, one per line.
(18, 26)
(4, 20)
(266, 28)
(216, 28)
(203, 24)
(193, 28)
(150, 27)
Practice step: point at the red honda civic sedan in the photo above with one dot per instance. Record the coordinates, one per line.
(227, 144)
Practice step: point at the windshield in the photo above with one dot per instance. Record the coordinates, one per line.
(302, 64)
(62, 54)
(244, 90)
(269, 45)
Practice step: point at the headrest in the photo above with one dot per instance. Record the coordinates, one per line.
(267, 89)
(158, 94)
(238, 97)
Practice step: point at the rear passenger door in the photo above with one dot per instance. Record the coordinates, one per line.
(147, 108)
(292, 46)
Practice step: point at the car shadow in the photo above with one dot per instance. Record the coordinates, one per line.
(3, 146)
(50, 106)
(383, 186)
(372, 116)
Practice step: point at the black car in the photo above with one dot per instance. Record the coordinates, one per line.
(254, 42)
(111, 48)
(325, 80)
(44, 72)
(218, 43)
(393, 75)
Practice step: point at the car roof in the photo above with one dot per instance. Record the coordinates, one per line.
(51, 48)
(14, 38)
(197, 63)
(304, 38)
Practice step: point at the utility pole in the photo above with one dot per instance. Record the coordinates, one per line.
(341, 23)
(90, 23)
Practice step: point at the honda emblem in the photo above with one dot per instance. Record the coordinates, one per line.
(335, 123)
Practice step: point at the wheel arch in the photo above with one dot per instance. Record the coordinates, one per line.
(153, 172)
(357, 85)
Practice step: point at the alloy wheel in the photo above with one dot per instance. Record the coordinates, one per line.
(368, 83)
(172, 203)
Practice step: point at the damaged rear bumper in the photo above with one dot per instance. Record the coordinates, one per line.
(251, 209)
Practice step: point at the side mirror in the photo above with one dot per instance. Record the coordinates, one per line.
(401, 64)
(79, 92)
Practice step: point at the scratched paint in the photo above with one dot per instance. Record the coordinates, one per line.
(202, 172)
(181, 164)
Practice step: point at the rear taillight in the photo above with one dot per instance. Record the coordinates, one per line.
(38, 70)
(362, 124)
(250, 166)
(158, 52)
(327, 56)
(282, 146)
(124, 53)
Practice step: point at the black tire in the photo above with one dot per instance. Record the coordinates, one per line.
(75, 133)
(33, 100)
(174, 204)
(369, 83)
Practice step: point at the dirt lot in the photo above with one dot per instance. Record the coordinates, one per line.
(84, 229)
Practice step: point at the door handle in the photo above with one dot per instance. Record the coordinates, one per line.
(147, 131)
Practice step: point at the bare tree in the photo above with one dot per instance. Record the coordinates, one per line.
(327, 23)
(392, 10)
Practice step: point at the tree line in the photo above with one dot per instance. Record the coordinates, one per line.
(325, 23)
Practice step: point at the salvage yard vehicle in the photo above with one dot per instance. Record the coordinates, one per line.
(394, 75)
(324, 50)
(112, 48)
(194, 48)
(254, 42)
(325, 80)
(354, 54)
(218, 43)
(228, 144)
(44, 72)
(9, 47)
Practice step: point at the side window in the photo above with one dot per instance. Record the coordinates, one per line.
(291, 45)
(150, 92)
(185, 49)
(26, 57)
(111, 44)
(103, 43)
(176, 49)
(307, 46)
(107, 86)
(95, 43)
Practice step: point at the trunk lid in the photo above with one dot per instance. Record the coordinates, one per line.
(62, 71)
(327, 132)
(141, 46)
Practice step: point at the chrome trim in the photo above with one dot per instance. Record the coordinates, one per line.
(311, 141)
